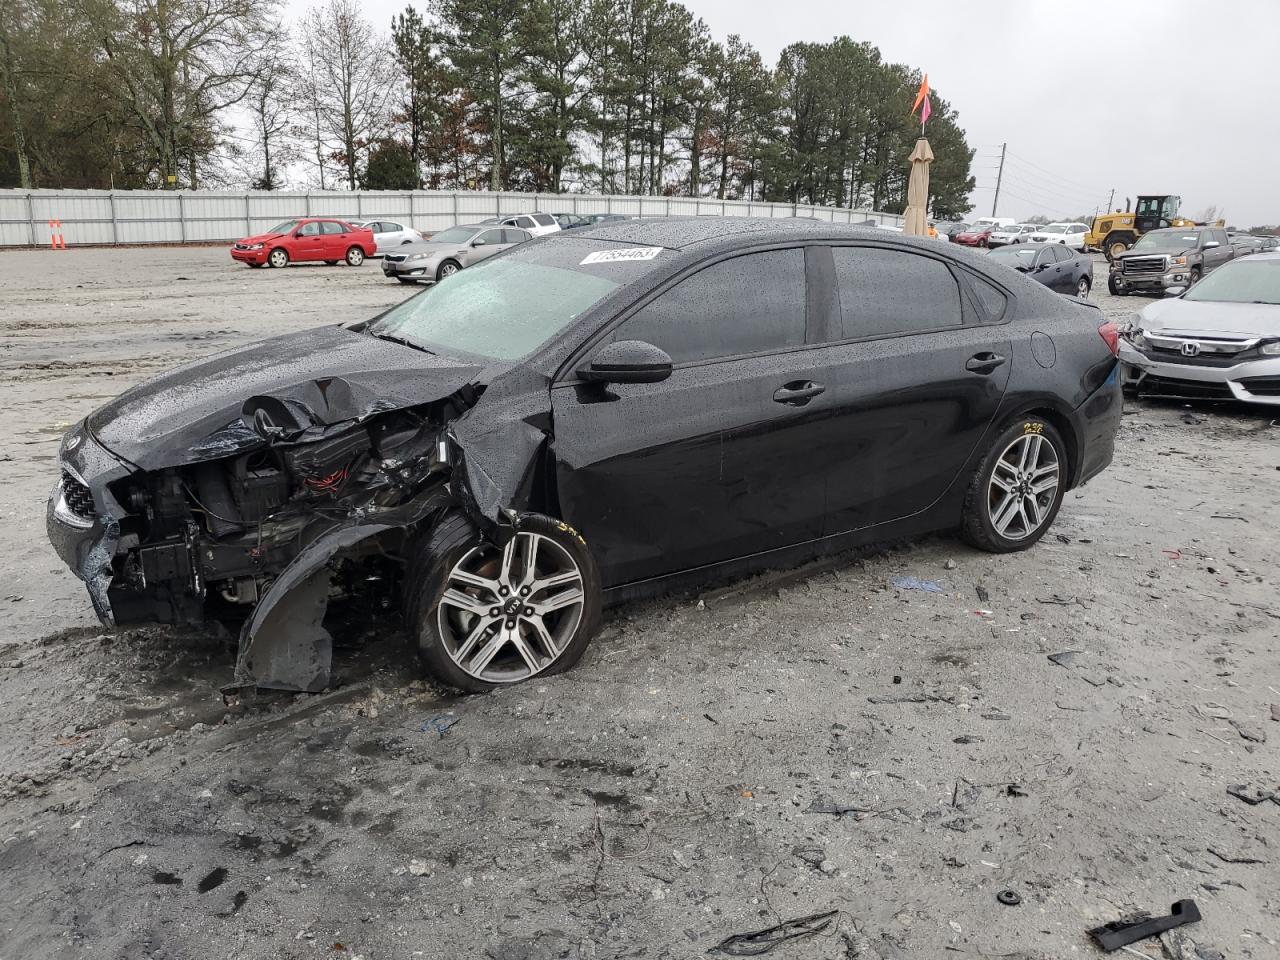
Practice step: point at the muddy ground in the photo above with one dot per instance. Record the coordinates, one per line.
(669, 792)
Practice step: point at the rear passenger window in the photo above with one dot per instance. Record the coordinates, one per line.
(545, 219)
(749, 304)
(331, 227)
(990, 298)
(525, 223)
(512, 235)
(886, 292)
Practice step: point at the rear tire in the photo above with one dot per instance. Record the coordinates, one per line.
(355, 256)
(1083, 287)
(331, 263)
(482, 618)
(1016, 491)
(277, 258)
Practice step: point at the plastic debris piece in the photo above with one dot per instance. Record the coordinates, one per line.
(1010, 898)
(760, 942)
(441, 725)
(915, 583)
(1119, 933)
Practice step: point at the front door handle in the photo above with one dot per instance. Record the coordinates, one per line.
(984, 363)
(798, 392)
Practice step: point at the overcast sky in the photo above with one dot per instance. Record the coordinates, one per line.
(1139, 96)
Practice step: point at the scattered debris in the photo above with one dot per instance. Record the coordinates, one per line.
(1249, 731)
(1233, 857)
(1010, 898)
(1119, 933)
(1226, 516)
(915, 583)
(712, 719)
(949, 565)
(835, 809)
(1251, 795)
(1275, 711)
(967, 738)
(981, 592)
(1057, 599)
(441, 725)
(418, 868)
(763, 941)
(912, 698)
(1015, 790)
(995, 716)
(1065, 657)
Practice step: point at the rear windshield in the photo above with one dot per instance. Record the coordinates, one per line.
(1016, 256)
(544, 218)
(1166, 242)
(506, 307)
(1241, 281)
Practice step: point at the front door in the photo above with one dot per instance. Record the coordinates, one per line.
(483, 246)
(712, 463)
(911, 389)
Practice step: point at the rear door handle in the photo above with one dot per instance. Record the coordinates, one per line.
(984, 363)
(798, 392)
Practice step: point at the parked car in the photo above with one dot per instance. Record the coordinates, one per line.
(547, 432)
(977, 235)
(1269, 243)
(994, 222)
(1068, 234)
(309, 238)
(571, 221)
(1219, 340)
(1058, 268)
(1171, 257)
(538, 224)
(599, 218)
(1245, 243)
(1016, 233)
(950, 229)
(389, 234)
(449, 251)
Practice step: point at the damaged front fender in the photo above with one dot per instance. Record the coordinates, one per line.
(284, 645)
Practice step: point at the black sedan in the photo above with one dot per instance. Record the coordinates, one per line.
(581, 420)
(1058, 267)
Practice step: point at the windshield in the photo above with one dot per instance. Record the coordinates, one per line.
(1241, 281)
(506, 307)
(1015, 256)
(1165, 242)
(454, 235)
(286, 227)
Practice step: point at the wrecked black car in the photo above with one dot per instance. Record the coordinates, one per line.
(580, 420)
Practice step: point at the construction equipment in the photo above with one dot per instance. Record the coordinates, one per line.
(1114, 233)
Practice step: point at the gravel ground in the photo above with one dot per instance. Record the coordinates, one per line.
(783, 746)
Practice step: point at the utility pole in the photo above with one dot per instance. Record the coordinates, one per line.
(999, 177)
(1111, 199)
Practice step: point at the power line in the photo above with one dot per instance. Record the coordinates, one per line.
(1056, 176)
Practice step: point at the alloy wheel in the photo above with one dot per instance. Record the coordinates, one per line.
(508, 614)
(1023, 487)
(355, 256)
(1082, 289)
(448, 270)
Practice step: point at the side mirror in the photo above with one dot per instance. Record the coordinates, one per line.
(1043, 265)
(627, 361)
(477, 242)
(1211, 244)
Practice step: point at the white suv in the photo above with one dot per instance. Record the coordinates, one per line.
(537, 224)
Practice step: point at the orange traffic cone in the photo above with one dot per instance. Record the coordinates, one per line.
(56, 240)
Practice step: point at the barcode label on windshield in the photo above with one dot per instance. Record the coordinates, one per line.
(615, 256)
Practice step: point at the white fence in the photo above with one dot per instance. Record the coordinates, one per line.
(169, 216)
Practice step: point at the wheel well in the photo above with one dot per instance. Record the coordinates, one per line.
(1062, 424)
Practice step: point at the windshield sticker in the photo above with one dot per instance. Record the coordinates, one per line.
(614, 256)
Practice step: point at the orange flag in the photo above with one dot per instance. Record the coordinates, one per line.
(921, 95)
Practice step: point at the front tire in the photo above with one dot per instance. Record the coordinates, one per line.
(1016, 491)
(406, 280)
(1114, 289)
(277, 258)
(1194, 277)
(485, 617)
(447, 269)
(355, 257)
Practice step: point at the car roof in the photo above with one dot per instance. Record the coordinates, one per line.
(1180, 230)
(683, 233)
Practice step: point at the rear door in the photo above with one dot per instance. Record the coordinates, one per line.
(1059, 275)
(915, 372)
(714, 462)
(336, 239)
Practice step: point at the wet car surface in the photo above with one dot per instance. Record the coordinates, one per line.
(581, 420)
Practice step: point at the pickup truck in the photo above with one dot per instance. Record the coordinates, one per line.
(1170, 257)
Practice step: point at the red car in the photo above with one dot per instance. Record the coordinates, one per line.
(975, 236)
(309, 238)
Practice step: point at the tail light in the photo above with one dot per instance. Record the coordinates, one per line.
(1111, 334)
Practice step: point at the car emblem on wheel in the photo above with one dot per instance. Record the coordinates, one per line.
(1191, 349)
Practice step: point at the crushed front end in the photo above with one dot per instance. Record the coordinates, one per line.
(259, 539)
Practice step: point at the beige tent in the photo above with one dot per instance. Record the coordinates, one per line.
(916, 220)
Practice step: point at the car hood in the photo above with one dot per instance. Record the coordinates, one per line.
(1176, 315)
(323, 376)
(260, 238)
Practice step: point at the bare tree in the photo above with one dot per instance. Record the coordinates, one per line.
(270, 104)
(177, 65)
(346, 83)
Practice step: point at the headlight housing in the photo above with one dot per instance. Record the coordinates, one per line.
(1177, 261)
(420, 256)
(255, 246)
(1271, 349)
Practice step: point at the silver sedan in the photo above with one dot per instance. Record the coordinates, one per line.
(449, 251)
(1218, 340)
